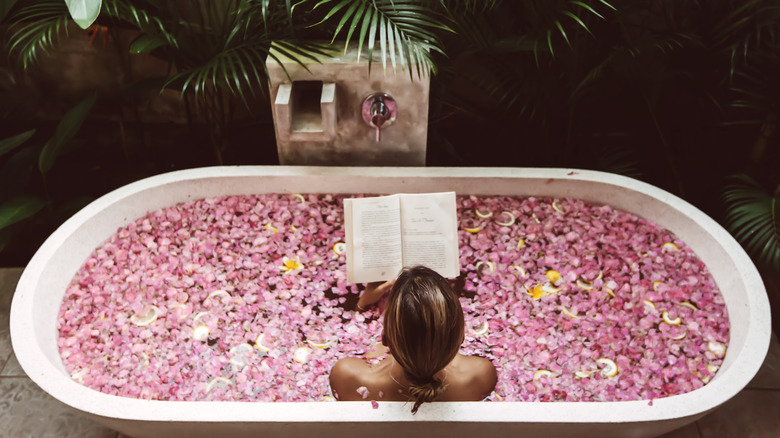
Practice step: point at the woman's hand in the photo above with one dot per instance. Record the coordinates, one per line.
(373, 293)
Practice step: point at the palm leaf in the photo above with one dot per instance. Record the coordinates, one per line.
(470, 6)
(240, 69)
(753, 217)
(5, 7)
(36, 29)
(619, 160)
(406, 28)
(147, 22)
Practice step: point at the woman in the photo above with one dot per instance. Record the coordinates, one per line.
(423, 331)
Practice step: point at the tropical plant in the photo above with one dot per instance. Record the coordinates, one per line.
(753, 217)
(20, 154)
(217, 50)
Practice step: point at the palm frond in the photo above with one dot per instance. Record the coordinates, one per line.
(619, 160)
(36, 29)
(406, 30)
(147, 22)
(753, 217)
(744, 28)
(469, 6)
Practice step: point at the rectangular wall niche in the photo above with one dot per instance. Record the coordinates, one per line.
(306, 111)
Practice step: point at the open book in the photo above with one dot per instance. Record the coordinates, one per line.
(386, 233)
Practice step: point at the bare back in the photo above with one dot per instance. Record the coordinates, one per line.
(468, 378)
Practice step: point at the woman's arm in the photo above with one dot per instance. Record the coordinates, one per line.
(373, 293)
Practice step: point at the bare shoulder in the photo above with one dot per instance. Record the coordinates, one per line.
(483, 370)
(478, 378)
(347, 376)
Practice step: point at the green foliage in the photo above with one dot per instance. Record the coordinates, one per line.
(5, 8)
(406, 30)
(68, 127)
(753, 217)
(22, 196)
(19, 208)
(11, 143)
(36, 28)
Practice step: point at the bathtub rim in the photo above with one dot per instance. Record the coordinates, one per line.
(720, 389)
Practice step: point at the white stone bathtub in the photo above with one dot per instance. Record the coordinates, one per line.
(42, 286)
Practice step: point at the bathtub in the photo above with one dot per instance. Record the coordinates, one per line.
(43, 282)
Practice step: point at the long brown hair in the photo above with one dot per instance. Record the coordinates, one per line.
(423, 328)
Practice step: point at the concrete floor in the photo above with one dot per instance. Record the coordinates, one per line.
(27, 411)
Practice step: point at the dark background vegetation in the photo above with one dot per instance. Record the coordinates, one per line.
(682, 94)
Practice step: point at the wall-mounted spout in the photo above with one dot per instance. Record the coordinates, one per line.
(379, 111)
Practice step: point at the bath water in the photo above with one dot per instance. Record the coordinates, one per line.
(245, 298)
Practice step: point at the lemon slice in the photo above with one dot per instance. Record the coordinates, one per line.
(200, 333)
(271, 228)
(79, 375)
(669, 246)
(689, 305)
(712, 368)
(716, 348)
(610, 292)
(490, 264)
(259, 343)
(475, 229)
(339, 247)
(483, 215)
(670, 321)
(301, 354)
(320, 345)
(180, 310)
(679, 337)
(582, 374)
(542, 373)
(557, 207)
(239, 354)
(520, 270)
(649, 305)
(520, 243)
(507, 222)
(219, 292)
(656, 285)
(146, 317)
(292, 228)
(610, 367)
(584, 284)
(145, 360)
(569, 313)
(299, 198)
(481, 330)
(550, 289)
(328, 398)
(536, 219)
(198, 316)
(553, 276)
(218, 382)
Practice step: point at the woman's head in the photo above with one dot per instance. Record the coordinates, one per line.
(423, 328)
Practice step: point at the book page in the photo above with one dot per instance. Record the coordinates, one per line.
(430, 232)
(373, 238)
